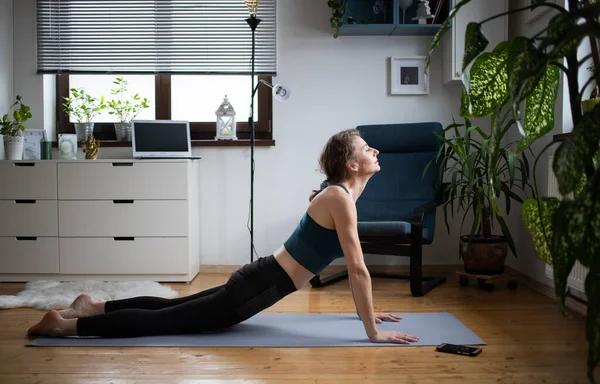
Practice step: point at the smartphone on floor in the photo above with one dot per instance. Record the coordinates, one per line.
(458, 349)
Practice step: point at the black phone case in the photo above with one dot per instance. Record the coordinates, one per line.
(458, 349)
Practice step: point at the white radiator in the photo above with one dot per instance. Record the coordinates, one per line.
(578, 274)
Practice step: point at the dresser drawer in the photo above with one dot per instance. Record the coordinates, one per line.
(122, 180)
(106, 218)
(27, 180)
(34, 255)
(138, 256)
(28, 218)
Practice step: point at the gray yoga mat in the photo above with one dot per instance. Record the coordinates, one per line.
(294, 330)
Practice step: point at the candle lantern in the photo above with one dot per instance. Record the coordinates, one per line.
(226, 126)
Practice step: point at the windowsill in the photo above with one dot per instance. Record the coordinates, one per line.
(196, 143)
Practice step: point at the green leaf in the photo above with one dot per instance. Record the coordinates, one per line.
(563, 34)
(538, 221)
(475, 43)
(539, 108)
(578, 148)
(562, 250)
(507, 235)
(523, 73)
(488, 83)
(443, 28)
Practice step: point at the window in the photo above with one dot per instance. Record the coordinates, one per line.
(184, 56)
(176, 97)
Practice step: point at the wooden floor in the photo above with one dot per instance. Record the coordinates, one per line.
(528, 341)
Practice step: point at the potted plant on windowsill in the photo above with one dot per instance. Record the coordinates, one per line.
(11, 129)
(482, 169)
(125, 110)
(85, 108)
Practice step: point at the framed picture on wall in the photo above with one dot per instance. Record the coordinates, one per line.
(407, 76)
(537, 12)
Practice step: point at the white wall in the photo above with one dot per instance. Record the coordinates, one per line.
(31, 86)
(6, 60)
(336, 84)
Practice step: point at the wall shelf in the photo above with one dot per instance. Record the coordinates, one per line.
(389, 20)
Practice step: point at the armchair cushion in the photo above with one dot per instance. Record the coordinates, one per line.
(389, 228)
(392, 195)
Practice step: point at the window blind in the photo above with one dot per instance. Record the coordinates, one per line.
(154, 36)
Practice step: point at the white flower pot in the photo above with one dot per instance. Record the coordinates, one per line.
(13, 147)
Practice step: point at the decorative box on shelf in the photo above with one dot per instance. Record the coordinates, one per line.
(394, 17)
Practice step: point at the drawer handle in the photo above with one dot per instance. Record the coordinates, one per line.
(122, 164)
(122, 201)
(26, 238)
(24, 201)
(124, 238)
(24, 164)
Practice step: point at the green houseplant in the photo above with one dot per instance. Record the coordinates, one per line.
(338, 9)
(11, 127)
(482, 169)
(125, 109)
(532, 78)
(84, 107)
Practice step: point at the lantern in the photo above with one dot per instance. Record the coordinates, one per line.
(225, 121)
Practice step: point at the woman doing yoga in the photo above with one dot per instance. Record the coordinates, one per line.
(327, 231)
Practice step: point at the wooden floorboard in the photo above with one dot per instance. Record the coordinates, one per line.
(528, 341)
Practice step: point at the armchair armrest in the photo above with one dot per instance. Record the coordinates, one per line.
(416, 223)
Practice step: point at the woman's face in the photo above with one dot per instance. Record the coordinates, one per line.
(366, 157)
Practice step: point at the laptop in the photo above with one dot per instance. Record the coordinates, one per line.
(161, 139)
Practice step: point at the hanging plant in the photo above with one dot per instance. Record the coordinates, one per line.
(338, 10)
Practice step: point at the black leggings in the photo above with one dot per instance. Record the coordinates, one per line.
(248, 291)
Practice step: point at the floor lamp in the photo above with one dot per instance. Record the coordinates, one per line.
(280, 93)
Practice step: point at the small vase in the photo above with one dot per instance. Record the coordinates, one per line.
(13, 147)
(123, 131)
(84, 130)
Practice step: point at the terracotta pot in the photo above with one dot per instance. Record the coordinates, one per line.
(484, 256)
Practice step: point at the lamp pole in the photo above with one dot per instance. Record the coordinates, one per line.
(253, 22)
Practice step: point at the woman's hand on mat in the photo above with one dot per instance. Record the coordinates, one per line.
(381, 317)
(393, 337)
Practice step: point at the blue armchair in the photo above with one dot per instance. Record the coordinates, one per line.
(396, 211)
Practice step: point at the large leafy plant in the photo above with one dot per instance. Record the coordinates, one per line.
(482, 168)
(526, 70)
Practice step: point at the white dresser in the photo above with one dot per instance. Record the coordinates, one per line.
(99, 219)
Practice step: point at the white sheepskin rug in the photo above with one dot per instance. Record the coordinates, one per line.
(46, 295)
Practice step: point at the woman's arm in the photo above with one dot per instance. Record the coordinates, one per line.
(353, 296)
(345, 218)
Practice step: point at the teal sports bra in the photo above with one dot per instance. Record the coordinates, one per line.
(314, 246)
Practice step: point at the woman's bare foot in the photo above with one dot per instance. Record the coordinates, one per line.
(83, 306)
(52, 324)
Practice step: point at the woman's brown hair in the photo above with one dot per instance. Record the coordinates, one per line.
(337, 152)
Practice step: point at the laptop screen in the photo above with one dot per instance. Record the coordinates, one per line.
(161, 137)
